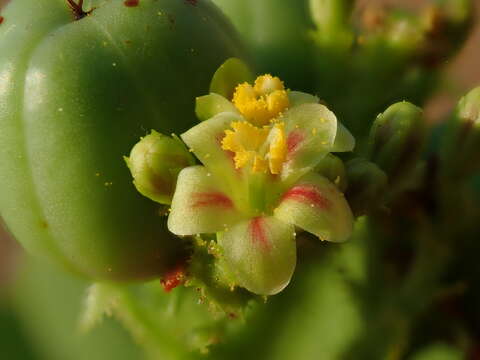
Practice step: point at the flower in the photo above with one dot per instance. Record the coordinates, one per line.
(257, 182)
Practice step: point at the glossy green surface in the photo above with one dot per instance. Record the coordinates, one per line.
(277, 33)
(75, 96)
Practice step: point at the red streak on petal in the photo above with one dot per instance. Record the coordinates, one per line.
(131, 3)
(211, 199)
(307, 194)
(173, 278)
(293, 140)
(257, 232)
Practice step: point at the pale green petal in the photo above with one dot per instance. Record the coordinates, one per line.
(344, 140)
(205, 140)
(231, 73)
(212, 104)
(311, 131)
(262, 254)
(317, 206)
(200, 204)
(297, 98)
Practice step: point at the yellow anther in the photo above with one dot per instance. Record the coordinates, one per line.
(278, 148)
(244, 141)
(262, 102)
(261, 148)
(267, 84)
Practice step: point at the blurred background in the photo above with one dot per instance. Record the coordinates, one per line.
(27, 285)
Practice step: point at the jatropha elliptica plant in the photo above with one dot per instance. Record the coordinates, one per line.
(281, 195)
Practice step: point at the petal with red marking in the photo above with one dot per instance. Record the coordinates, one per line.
(200, 205)
(261, 252)
(311, 130)
(317, 206)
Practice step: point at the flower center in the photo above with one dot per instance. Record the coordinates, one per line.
(262, 102)
(261, 148)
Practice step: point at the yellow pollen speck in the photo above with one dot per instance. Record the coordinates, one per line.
(261, 148)
(262, 102)
(314, 131)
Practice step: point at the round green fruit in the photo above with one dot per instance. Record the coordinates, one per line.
(78, 88)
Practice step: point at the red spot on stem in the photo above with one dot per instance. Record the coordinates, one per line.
(1, 19)
(307, 194)
(173, 278)
(131, 3)
(211, 199)
(257, 232)
(293, 141)
(192, 2)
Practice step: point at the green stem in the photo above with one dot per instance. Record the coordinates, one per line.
(143, 326)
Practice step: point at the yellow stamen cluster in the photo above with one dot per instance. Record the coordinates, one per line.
(262, 102)
(262, 148)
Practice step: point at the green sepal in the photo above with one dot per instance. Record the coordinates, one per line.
(208, 106)
(231, 73)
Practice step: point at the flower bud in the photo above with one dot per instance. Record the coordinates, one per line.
(155, 162)
(396, 139)
(367, 185)
(333, 169)
(461, 148)
(331, 20)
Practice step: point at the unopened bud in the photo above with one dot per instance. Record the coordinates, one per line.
(367, 186)
(333, 169)
(396, 139)
(331, 18)
(461, 149)
(155, 162)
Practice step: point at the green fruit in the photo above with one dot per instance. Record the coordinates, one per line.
(76, 93)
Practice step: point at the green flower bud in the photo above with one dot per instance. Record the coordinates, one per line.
(333, 169)
(461, 149)
(396, 139)
(367, 185)
(155, 162)
(331, 18)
